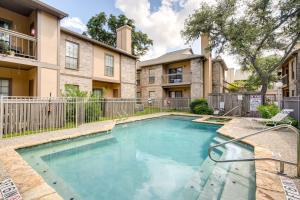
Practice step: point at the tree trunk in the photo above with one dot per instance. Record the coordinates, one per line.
(264, 88)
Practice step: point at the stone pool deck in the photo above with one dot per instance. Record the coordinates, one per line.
(32, 186)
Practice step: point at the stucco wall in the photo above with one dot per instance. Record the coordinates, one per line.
(85, 66)
(99, 64)
(19, 80)
(20, 23)
(48, 82)
(107, 88)
(128, 77)
(48, 37)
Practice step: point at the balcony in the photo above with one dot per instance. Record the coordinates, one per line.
(176, 79)
(17, 44)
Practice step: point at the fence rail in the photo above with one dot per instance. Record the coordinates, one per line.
(23, 115)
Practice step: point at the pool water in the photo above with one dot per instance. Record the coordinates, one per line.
(163, 158)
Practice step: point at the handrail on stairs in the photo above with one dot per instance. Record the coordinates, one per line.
(295, 130)
(231, 110)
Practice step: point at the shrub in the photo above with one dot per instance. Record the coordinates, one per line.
(200, 106)
(268, 111)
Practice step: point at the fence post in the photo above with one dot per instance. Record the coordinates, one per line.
(76, 112)
(1, 117)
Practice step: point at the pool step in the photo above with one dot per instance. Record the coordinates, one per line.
(199, 179)
(75, 144)
(228, 177)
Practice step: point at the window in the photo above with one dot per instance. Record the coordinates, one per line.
(175, 94)
(72, 52)
(151, 76)
(138, 95)
(98, 92)
(109, 65)
(115, 93)
(293, 93)
(152, 94)
(175, 75)
(5, 87)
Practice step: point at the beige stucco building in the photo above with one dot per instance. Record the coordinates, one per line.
(181, 74)
(39, 58)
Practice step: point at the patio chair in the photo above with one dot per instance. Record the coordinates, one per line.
(275, 120)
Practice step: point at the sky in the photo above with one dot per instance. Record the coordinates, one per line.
(162, 20)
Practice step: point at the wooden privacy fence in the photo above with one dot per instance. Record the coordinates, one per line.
(22, 116)
(235, 104)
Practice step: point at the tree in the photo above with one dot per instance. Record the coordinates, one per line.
(104, 29)
(250, 30)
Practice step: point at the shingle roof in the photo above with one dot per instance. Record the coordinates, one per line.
(183, 54)
(97, 42)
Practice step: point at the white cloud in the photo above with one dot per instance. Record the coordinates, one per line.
(164, 24)
(74, 23)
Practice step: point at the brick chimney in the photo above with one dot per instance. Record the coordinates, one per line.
(124, 35)
(207, 68)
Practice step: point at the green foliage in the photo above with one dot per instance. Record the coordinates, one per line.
(249, 31)
(242, 86)
(104, 29)
(4, 47)
(92, 107)
(200, 106)
(268, 111)
(74, 91)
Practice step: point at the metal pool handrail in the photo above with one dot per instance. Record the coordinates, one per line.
(272, 159)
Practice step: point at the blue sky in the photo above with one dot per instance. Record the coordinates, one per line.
(162, 20)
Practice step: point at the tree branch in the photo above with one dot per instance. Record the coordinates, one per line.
(293, 44)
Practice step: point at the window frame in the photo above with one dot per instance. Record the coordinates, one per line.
(78, 55)
(175, 94)
(113, 65)
(151, 78)
(175, 77)
(150, 94)
(99, 89)
(9, 85)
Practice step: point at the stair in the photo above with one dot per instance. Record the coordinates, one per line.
(214, 181)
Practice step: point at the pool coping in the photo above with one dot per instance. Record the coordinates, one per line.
(31, 185)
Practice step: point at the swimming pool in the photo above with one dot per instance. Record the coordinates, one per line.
(162, 158)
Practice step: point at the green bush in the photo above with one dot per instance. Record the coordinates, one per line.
(200, 106)
(268, 111)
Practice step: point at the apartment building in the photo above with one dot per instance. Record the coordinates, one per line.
(181, 74)
(40, 58)
(290, 73)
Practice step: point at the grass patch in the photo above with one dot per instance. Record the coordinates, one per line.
(31, 132)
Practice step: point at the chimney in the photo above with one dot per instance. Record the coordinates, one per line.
(204, 44)
(207, 67)
(124, 38)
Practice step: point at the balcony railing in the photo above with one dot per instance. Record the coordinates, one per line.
(285, 79)
(17, 44)
(176, 79)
